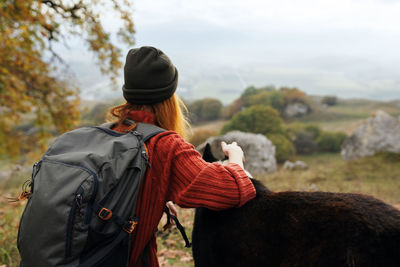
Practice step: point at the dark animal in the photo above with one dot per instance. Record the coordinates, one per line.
(298, 229)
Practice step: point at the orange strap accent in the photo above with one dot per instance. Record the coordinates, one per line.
(131, 227)
(105, 214)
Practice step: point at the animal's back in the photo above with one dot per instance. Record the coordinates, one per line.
(299, 229)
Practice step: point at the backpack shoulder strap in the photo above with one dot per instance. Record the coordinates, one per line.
(148, 130)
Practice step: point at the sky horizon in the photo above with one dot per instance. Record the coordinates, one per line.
(347, 48)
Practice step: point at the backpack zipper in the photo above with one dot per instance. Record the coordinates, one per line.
(95, 186)
(76, 206)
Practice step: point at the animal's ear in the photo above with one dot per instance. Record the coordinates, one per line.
(207, 155)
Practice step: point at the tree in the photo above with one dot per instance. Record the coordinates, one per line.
(271, 98)
(251, 91)
(232, 109)
(29, 82)
(294, 95)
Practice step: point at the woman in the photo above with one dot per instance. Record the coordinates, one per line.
(177, 171)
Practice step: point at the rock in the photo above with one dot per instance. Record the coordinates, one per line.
(298, 165)
(288, 165)
(313, 188)
(380, 132)
(258, 150)
(295, 110)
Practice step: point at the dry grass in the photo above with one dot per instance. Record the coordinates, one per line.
(378, 176)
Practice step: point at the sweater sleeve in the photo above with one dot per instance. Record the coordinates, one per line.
(195, 183)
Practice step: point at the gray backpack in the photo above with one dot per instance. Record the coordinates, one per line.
(81, 207)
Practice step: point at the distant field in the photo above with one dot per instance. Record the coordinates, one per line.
(348, 114)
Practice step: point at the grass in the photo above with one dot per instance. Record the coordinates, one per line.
(347, 115)
(378, 176)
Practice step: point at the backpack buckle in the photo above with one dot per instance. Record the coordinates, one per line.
(132, 225)
(105, 214)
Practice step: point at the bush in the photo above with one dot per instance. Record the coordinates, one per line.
(232, 109)
(272, 98)
(200, 136)
(252, 91)
(284, 149)
(329, 100)
(304, 143)
(330, 142)
(256, 119)
(294, 95)
(207, 109)
(314, 130)
(295, 128)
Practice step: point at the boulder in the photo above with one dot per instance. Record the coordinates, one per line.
(295, 110)
(380, 132)
(258, 150)
(298, 165)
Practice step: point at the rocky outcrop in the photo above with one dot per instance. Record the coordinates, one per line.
(258, 150)
(296, 110)
(380, 132)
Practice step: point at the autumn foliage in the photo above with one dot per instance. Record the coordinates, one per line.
(31, 85)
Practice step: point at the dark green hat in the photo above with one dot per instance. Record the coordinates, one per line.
(150, 77)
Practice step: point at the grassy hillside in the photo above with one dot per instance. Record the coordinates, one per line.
(378, 176)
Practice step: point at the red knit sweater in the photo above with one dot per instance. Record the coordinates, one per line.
(179, 174)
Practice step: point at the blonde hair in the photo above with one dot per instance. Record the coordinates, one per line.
(169, 114)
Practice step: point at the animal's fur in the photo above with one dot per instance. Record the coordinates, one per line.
(299, 229)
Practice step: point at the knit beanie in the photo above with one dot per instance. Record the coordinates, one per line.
(150, 77)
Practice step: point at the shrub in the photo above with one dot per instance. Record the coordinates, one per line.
(329, 100)
(284, 149)
(294, 95)
(256, 119)
(252, 91)
(272, 98)
(200, 136)
(330, 142)
(304, 143)
(295, 128)
(314, 130)
(232, 109)
(207, 109)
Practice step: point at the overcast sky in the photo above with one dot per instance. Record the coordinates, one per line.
(348, 48)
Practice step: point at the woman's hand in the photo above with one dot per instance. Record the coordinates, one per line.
(172, 209)
(233, 152)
